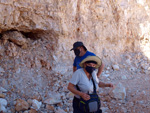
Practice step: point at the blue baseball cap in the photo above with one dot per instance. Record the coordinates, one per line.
(78, 44)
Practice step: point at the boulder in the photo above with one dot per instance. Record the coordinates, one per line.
(119, 92)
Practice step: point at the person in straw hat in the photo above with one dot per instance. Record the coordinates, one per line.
(83, 79)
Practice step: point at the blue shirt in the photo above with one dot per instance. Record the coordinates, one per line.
(78, 59)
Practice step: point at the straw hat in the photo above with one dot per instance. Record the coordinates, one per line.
(92, 58)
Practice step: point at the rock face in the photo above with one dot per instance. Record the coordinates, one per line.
(36, 62)
(15, 37)
(113, 26)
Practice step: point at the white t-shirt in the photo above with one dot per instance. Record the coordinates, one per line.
(85, 85)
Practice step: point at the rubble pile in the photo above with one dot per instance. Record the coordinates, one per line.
(29, 84)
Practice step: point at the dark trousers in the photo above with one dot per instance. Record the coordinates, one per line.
(76, 107)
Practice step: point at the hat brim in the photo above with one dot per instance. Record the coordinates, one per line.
(92, 58)
(72, 49)
(78, 46)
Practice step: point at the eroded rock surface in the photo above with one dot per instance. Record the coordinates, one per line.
(36, 61)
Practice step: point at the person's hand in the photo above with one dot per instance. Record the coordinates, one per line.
(85, 96)
(110, 85)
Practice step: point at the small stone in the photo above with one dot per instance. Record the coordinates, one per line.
(3, 102)
(132, 69)
(123, 77)
(2, 96)
(70, 94)
(50, 107)
(26, 112)
(2, 109)
(33, 111)
(115, 67)
(52, 101)
(4, 82)
(36, 105)
(131, 104)
(25, 46)
(106, 75)
(107, 99)
(108, 79)
(60, 111)
(104, 109)
(37, 96)
(21, 105)
(43, 106)
(29, 102)
(128, 61)
(1, 70)
(107, 72)
(107, 68)
(4, 41)
(66, 110)
(60, 104)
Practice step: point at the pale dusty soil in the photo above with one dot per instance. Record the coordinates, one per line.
(137, 94)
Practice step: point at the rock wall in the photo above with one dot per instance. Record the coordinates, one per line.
(36, 38)
(114, 26)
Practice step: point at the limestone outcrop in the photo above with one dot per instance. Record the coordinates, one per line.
(113, 26)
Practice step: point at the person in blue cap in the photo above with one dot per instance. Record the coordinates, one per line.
(81, 53)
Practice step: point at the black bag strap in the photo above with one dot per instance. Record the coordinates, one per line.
(94, 86)
(94, 91)
(78, 87)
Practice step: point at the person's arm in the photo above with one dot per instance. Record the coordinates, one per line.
(72, 88)
(100, 69)
(102, 84)
(74, 68)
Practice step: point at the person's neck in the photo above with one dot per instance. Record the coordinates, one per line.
(87, 74)
(83, 53)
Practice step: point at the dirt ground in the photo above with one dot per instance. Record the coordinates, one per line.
(137, 93)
